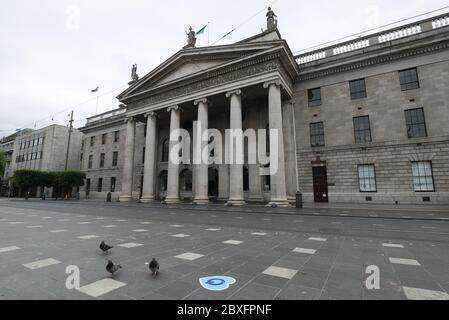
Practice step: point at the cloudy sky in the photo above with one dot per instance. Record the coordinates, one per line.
(54, 52)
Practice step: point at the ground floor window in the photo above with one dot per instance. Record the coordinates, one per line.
(113, 184)
(423, 176)
(100, 184)
(367, 178)
(186, 180)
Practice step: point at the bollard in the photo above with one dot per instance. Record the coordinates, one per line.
(299, 200)
(109, 197)
(78, 196)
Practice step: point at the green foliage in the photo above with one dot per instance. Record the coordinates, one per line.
(68, 179)
(26, 179)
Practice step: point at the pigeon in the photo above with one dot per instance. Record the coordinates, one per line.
(112, 268)
(154, 267)
(104, 247)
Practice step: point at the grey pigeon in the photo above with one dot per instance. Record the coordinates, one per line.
(104, 247)
(154, 267)
(112, 268)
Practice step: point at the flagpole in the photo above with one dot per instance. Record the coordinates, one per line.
(98, 96)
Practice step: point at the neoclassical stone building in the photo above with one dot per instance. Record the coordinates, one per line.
(365, 120)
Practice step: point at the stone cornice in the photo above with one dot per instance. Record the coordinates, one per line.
(350, 66)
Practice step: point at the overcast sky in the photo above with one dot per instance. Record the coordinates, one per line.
(54, 52)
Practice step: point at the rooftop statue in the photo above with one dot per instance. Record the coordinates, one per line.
(272, 22)
(191, 39)
(134, 75)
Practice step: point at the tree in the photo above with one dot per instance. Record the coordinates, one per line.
(64, 181)
(27, 179)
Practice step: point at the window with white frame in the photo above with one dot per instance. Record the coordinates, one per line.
(367, 178)
(423, 176)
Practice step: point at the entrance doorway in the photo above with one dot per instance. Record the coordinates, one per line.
(213, 183)
(320, 187)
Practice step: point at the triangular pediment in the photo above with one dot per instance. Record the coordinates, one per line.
(190, 62)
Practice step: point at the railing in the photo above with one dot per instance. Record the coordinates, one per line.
(441, 22)
(397, 34)
(378, 38)
(106, 115)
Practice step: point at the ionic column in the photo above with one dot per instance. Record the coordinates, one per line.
(173, 168)
(128, 165)
(236, 195)
(278, 190)
(148, 193)
(201, 169)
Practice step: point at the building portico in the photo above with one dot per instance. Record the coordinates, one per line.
(241, 101)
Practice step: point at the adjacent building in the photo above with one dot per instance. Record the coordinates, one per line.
(7, 145)
(361, 121)
(44, 150)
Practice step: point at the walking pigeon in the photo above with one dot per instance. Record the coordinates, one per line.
(112, 268)
(154, 267)
(104, 247)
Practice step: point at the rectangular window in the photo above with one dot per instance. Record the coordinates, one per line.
(92, 141)
(113, 184)
(314, 96)
(114, 158)
(423, 176)
(317, 134)
(409, 79)
(103, 138)
(367, 178)
(116, 136)
(362, 129)
(416, 123)
(89, 165)
(101, 160)
(100, 184)
(358, 89)
(39, 154)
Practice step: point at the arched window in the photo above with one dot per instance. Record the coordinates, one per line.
(245, 179)
(163, 181)
(185, 180)
(211, 151)
(165, 147)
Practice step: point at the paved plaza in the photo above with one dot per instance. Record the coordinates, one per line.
(273, 254)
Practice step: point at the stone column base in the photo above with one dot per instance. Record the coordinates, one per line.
(279, 203)
(147, 199)
(201, 201)
(126, 198)
(172, 201)
(235, 203)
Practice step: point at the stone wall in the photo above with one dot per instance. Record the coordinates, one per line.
(390, 150)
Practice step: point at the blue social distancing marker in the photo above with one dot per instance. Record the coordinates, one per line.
(217, 283)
